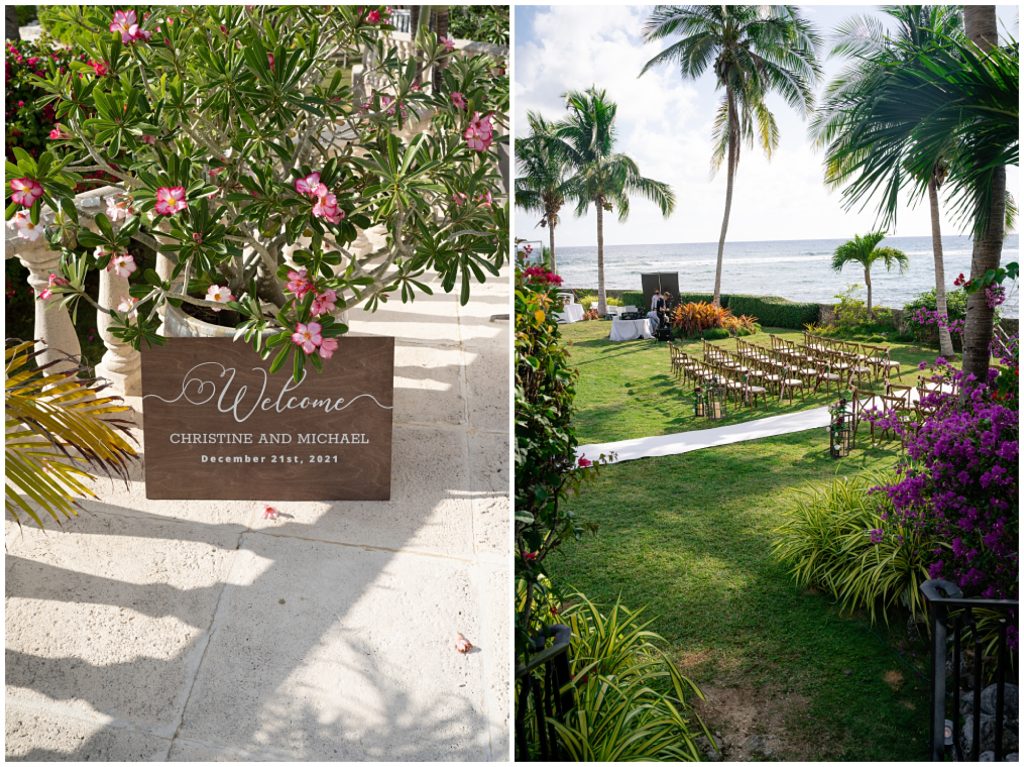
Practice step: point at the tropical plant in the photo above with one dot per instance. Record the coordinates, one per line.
(754, 51)
(485, 23)
(865, 251)
(58, 428)
(845, 540)
(599, 176)
(694, 319)
(632, 703)
(872, 50)
(960, 484)
(547, 469)
(275, 190)
(542, 187)
(954, 101)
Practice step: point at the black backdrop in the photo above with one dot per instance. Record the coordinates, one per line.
(660, 281)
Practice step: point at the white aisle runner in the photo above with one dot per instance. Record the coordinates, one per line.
(684, 442)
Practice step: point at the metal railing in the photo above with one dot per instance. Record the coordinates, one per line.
(543, 693)
(970, 648)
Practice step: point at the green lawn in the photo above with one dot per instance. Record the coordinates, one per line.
(628, 390)
(689, 536)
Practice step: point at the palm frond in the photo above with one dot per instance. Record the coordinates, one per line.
(59, 432)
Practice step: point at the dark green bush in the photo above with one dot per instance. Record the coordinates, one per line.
(715, 334)
(634, 298)
(775, 312)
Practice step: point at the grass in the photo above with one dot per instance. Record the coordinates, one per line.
(688, 537)
(627, 389)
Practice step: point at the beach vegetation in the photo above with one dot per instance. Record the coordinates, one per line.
(865, 251)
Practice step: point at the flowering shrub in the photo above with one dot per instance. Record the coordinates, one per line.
(246, 155)
(547, 470)
(27, 125)
(959, 483)
(923, 320)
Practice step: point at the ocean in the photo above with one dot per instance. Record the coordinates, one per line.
(799, 270)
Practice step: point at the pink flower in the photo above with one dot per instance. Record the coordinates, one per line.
(119, 207)
(460, 199)
(485, 199)
(373, 17)
(328, 347)
(146, 139)
(22, 223)
(126, 23)
(170, 199)
(53, 282)
(324, 303)
(25, 191)
(299, 283)
(99, 67)
(327, 208)
(585, 463)
(270, 513)
(458, 100)
(449, 44)
(308, 336)
(127, 305)
(57, 133)
(307, 186)
(121, 264)
(480, 133)
(270, 60)
(219, 294)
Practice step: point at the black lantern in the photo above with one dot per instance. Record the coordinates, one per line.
(715, 403)
(698, 402)
(840, 431)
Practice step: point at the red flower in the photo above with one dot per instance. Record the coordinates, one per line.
(530, 556)
(585, 462)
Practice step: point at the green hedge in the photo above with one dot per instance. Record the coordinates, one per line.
(774, 312)
(770, 311)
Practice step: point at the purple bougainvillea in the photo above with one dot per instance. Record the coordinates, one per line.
(959, 481)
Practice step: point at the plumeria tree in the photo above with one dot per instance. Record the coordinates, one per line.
(276, 188)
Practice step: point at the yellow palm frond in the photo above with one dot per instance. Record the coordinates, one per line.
(60, 431)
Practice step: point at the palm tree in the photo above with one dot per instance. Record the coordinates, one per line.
(542, 187)
(600, 176)
(864, 40)
(865, 251)
(754, 50)
(956, 101)
(980, 26)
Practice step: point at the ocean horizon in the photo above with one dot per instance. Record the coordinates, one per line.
(799, 270)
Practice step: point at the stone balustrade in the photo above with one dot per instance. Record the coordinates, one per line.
(54, 330)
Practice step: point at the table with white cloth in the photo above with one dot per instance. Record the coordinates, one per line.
(570, 313)
(627, 330)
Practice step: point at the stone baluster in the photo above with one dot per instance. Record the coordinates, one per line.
(121, 364)
(54, 331)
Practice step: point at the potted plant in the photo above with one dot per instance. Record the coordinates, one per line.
(276, 192)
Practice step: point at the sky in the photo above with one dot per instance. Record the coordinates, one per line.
(664, 123)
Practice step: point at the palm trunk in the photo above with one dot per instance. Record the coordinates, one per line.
(867, 282)
(602, 305)
(945, 341)
(980, 26)
(551, 245)
(729, 175)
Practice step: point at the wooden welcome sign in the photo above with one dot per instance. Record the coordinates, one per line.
(218, 425)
